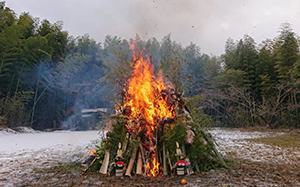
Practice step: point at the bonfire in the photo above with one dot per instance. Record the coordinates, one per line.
(153, 132)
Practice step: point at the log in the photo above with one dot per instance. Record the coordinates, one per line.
(105, 163)
(139, 165)
(131, 162)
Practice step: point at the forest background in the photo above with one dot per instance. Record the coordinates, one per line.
(47, 76)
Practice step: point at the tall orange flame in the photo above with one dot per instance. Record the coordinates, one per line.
(144, 98)
(144, 92)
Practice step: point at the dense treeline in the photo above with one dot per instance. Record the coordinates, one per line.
(47, 76)
(260, 84)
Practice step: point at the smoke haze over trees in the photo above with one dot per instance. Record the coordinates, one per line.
(47, 77)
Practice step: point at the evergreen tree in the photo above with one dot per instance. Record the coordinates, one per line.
(266, 70)
(250, 63)
(286, 52)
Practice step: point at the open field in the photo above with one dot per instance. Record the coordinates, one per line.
(256, 158)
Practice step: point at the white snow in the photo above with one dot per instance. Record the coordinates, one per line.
(234, 143)
(6, 131)
(20, 153)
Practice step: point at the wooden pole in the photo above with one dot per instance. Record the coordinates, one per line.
(131, 162)
(143, 157)
(139, 165)
(105, 163)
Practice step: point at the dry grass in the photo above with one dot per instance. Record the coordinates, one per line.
(286, 140)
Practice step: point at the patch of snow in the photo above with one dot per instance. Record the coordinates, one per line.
(234, 143)
(22, 152)
(4, 131)
(25, 130)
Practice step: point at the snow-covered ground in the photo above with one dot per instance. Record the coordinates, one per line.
(20, 153)
(234, 143)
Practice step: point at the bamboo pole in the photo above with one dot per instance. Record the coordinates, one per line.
(139, 165)
(131, 162)
(105, 163)
(143, 157)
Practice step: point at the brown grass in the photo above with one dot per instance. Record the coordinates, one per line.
(287, 140)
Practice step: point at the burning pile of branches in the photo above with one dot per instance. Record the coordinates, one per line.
(153, 132)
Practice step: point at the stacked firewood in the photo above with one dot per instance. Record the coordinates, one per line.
(148, 153)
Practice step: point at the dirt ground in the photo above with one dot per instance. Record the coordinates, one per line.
(243, 173)
(257, 158)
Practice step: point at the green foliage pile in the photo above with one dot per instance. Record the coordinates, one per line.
(200, 152)
(114, 136)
